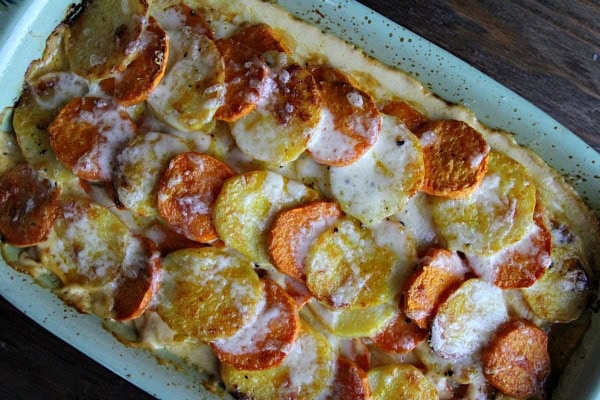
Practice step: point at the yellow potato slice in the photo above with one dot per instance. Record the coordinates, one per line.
(139, 167)
(465, 322)
(87, 244)
(564, 291)
(497, 214)
(392, 172)
(10, 154)
(103, 36)
(247, 205)
(208, 293)
(286, 118)
(351, 266)
(401, 381)
(304, 374)
(360, 322)
(464, 371)
(192, 89)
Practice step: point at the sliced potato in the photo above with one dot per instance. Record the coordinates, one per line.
(405, 112)
(142, 75)
(28, 206)
(10, 154)
(350, 266)
(260, 38)
(139, 167)
(401, 381)
(350, 382)
(399, 334)
(87, 244)
(192, 89)
(287, 119)
(465, 371)
(497, 214)
(247, 205)
(104, 36)
(303, 375)
(88, 133)
(264, 342)
(360, 322)
(208, 293)
(392, 171)
(167, 240)
(187, 191)
(181, 19)
(466, 321)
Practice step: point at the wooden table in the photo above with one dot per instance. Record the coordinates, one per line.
(545, 50)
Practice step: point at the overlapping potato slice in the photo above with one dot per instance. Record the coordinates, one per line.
(350, 266)
(456, 158)
(304, 374)
(522, 263)
(246, 75)
(326, 73)
(167, 240)
(180, 19)
(466, 321)
(399, 334)
(104, 36)
(439, 272)
(563, 292)
(463, 371)
(88, 133)
(286, 119)
(405, 112)
(134, 84)
(10, 154)
(139, 167)
(260, 38)
(28, 206)
(264, 342)
(350, 381)
(496, 215)
(350, 124)
(247, 205)
(401, 381)
(192, 89)
(207, 293)
(187, 191)
(293, 231)
(392, 171)
(87, 245)
(353, 323)
(517, 361)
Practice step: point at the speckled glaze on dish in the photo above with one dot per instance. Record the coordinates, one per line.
(25, 28)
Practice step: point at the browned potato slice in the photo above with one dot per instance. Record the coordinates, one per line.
(247, 205)
(187, 191)
(350, 382)
(325, 73)
(87, 244)
(456, 158)
(260, 38)
(303, 375)
(497, 214)
(28, 206)
(262, 344)
(246, 74)
(405, 112)
(208, 293)
(399, 334)
(88, 133)
(401, 381)
(286, 119)
(143, 74)
(103, 36)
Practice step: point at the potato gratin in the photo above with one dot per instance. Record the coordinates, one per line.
(229, 184)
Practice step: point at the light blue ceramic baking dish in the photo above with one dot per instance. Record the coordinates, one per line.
(23, 31)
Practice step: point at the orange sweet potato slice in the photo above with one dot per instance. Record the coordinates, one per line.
(194, 20)
(455, 158)
(167, 240)
(245, 75)
(408, 114)
(517, 361)
(294, 230)
(141, 76)
(439, 272)
(138, 282)
(186, 193)
(325, 73)
(87, 135)
(350, 382)
(350, 124)
(28, 206)
(260, 38)
(262, 344)
(400, 335)
(357, 351)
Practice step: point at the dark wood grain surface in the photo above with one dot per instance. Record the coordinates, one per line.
(548, 51)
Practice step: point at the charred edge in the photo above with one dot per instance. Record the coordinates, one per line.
(75, 11)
